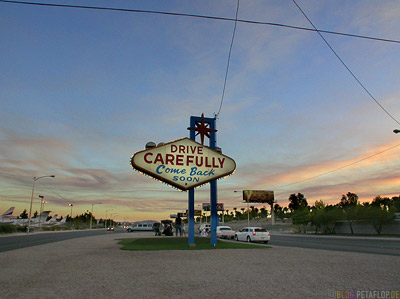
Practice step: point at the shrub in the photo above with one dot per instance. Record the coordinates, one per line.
(7, 228)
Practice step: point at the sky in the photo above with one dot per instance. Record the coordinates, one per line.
(82, 90)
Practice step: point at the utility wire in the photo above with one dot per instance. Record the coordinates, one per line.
(347, 68)
(201, 17)
(339, 168)
(229, 59)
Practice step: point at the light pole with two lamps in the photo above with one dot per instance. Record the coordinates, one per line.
(33, 190)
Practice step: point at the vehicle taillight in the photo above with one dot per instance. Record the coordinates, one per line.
(254, 233)
(269, 234)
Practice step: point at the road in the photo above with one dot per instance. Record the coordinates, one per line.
(21, 241)
(375, 245)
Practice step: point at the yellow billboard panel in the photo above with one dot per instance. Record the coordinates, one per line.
(258, 196)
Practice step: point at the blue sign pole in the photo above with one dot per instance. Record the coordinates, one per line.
(191, 195)
(213, 190)
(191, 218)
(213, 184)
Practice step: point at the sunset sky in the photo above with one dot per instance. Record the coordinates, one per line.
(81, 90)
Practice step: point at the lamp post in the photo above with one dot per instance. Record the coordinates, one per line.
(70, 219)
(106, 217)
(40, 211)
(33, 190)
(42, 203)
(111, 215)
(91, 214)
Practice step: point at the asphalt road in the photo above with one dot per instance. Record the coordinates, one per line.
(375, 245)
(24, 240)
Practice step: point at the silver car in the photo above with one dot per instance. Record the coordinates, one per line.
(253, 234)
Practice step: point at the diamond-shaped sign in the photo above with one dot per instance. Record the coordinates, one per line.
(183, 163)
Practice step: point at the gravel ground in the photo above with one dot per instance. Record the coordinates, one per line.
(95, 267)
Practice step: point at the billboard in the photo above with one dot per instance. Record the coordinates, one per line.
(196, 212)
(258, 196)
(183, 163)
(220, 207)
(206, 206)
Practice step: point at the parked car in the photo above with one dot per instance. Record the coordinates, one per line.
(110, 229)
(205, 226)
(225, 232)
(253, 234)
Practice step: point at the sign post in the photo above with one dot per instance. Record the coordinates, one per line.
(186, 164)
(209, 132)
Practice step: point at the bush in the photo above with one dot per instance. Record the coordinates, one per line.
(7, 228)
(22, 229)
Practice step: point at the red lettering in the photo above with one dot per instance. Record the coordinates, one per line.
(213, 163)
(189, 160)
(169, 158)
(221, 162)
(174, 148)
(159, 158)
(193, 149)
(181, 149)
(145, 158)
(179, 160)
(199, 161)
(207, 165)
(200, 150)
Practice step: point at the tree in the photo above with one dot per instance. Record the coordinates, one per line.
(35, 214)
(379, 201)
(349, 204)
(297, 201)
(264, 212)
(317, 213)
(379, 216)
(395, 204)
(24, 215)
(319, 204)
(301, 216)
(279, 212)
(330, 215)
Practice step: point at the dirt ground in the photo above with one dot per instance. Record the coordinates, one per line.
(95, 267)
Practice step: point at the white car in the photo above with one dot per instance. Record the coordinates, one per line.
(225, 232)
(253, 234)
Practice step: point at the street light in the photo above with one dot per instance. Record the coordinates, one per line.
(396, 131)
(106, 216)
(111, 215)
(91, 214)
(70, 219)
(42, 203)
(33, 190)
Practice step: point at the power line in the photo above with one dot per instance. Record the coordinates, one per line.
(339, 168)
(344, 64)
(201, 17)
(229, 59)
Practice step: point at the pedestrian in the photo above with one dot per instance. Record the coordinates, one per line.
(204, 233)
(178, 226)
(183, 228)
